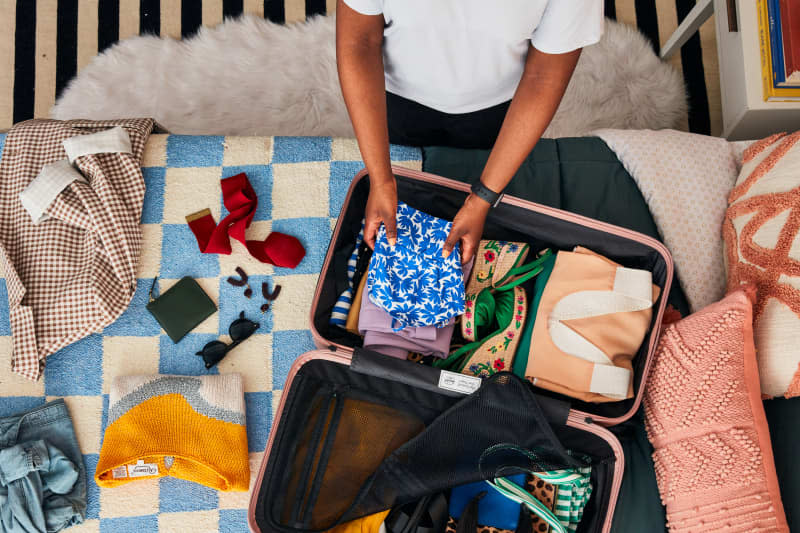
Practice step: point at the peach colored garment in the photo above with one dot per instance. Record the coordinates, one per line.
(704, 416)
(581, 291)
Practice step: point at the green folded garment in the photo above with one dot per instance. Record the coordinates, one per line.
(521, 357)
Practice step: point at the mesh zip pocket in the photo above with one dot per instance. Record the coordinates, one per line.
(343, 442)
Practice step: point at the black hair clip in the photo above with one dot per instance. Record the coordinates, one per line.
(269, 296)
(248, 292)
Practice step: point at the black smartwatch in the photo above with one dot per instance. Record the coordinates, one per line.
(484, 193)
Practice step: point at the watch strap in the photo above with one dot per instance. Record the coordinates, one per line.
(486, 194)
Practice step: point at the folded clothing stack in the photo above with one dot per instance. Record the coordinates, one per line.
(412, 280)
(379, 330)
(188, 427)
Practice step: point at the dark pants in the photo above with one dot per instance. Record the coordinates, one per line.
(413, 124)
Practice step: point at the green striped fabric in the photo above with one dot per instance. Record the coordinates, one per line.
(573, 489)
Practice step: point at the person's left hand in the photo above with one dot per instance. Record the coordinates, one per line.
(467, 227)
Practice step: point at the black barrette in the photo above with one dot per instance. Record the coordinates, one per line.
(269, 296)
(248, 292)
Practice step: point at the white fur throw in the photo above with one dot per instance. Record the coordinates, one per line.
(249, 76)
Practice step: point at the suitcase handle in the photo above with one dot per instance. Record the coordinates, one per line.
(429, 378)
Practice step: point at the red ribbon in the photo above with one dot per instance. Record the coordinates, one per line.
(241, 201)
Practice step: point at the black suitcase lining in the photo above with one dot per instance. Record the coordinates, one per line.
(506, 222)
(394, 481)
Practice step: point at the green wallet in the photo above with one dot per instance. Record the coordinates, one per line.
(181, 308)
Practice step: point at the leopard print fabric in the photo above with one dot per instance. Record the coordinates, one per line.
(544, 492)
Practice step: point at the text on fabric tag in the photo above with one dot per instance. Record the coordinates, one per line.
(141, 469)
(119, 472)
(455, 382)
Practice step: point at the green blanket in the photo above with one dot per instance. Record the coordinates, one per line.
(584, 176)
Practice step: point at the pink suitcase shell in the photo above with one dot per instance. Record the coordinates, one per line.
(514, 219)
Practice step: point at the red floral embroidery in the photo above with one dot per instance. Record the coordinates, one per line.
(489, 256)
(518, 317)
(468, 314)
(499, 364)
(510, 334)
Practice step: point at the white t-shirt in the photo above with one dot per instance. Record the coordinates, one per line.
(460, 56)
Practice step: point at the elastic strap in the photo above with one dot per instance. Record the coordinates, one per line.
(468, 522)
(520, 280)
(428, 515)
(528, 271)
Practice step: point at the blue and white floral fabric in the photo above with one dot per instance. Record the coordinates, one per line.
(412, 281)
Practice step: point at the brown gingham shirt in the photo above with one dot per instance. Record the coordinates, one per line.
(73, 271)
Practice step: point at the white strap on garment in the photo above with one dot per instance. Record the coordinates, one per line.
(44, 188)
(53, 178)
(115, 139)
(633, 291)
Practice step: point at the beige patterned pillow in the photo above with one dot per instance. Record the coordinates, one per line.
(762, 241)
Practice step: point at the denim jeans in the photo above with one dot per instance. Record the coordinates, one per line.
(42, 477)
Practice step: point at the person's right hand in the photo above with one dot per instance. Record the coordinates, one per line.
(381, 208)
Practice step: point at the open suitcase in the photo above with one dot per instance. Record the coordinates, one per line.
(357, 432)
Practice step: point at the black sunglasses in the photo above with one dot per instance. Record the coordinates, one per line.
(241, 328)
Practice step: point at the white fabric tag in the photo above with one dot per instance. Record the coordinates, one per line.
(142, 469)
(119, 472)
(45, 187)
(456, 382)
(112, 140)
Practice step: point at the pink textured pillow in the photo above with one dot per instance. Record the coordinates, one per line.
(704, 416)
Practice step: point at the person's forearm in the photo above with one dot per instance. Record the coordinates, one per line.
(360, 63)
(535, 102)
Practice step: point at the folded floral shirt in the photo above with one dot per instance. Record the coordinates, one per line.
(377, 327)
(412, 281)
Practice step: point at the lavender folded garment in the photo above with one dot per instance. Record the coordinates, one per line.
(377, 326)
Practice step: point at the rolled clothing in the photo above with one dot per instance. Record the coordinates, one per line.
(378, 328)
(42, 476)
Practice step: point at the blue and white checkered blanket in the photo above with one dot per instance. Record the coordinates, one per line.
(301, 184)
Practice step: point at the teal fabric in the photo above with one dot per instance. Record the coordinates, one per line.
(783, 417)
(521, 357)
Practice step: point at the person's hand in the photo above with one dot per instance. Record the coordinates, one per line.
(381, 208)
(467, 227)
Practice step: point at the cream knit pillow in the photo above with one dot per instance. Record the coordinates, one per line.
(762, 240)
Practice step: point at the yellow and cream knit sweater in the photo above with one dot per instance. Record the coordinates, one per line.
(188, 427)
